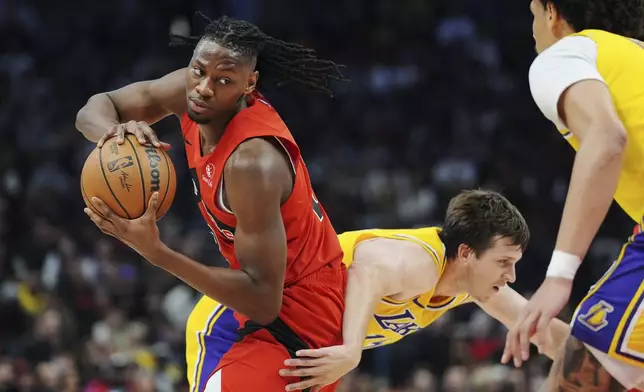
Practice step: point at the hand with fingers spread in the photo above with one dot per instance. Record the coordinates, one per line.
(323, 366)
(141, 234)
(140, 129)
(535, 318)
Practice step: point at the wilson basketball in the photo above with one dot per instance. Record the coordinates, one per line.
(126, 175)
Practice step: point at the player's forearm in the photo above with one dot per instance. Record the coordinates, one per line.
(233, 288)
(592, 187)
(362, 295)
(97, 117)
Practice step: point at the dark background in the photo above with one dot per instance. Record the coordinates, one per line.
(439, 102)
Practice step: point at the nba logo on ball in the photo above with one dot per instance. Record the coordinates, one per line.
(209, 174)
(119, 163)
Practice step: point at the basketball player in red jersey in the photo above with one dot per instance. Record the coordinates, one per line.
(286, 279)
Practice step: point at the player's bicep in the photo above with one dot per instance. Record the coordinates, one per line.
(587, 106)
(151, 100)
(254, 181)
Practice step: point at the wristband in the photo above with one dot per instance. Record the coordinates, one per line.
(563, 265)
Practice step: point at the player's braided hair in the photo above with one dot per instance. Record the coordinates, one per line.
(623, 17)
(277, 61)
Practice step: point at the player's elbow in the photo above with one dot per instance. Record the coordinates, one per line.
(88, 114)
(81, 119)
(608, 141)
(615, 139)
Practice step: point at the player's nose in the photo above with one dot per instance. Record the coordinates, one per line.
(204, 88)
(511, 276)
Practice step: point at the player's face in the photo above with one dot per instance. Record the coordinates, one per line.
(542, 25)
(492, 269)
(217, 80)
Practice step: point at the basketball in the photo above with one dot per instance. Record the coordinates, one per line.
(124, 176)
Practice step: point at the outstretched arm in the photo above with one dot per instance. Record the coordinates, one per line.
(506, 305)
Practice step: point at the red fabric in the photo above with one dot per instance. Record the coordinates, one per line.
(256, 368)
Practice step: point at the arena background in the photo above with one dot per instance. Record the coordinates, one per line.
(439, 102)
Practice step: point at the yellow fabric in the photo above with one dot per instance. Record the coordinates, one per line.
(620, 61)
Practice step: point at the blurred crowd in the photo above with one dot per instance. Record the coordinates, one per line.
(438, 102)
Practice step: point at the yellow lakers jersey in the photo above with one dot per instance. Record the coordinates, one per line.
(620, 62)
(393, 320)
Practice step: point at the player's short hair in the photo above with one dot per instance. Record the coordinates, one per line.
(477, 218)
(623, 17)
(278, 61)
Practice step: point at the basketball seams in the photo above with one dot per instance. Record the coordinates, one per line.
(145, 204)
(109, 187)
(88, 200)
(91, 205)
(169, 175)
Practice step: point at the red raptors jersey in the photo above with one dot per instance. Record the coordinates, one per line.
(312, 241)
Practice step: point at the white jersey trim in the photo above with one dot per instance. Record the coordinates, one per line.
(565, 63)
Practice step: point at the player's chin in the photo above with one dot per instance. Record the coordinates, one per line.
(486, 296)
(199, 119)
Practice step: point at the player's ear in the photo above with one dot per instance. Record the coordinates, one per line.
(252, 82)
(464, 252)
(552, 14)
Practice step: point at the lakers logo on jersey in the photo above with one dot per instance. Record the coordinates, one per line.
(597, 316)
(403, 324)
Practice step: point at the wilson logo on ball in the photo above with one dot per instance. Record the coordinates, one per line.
(119, 163)
(154, 159)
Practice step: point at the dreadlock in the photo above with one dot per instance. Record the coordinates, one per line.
(278, 61)
(623, 17)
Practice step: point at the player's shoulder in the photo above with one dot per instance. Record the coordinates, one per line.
(392, 251)
(258, 162)
(424, 239)
(427, 236)
(568, 61)
(566, 53)
(256, 155)
(429, 233)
